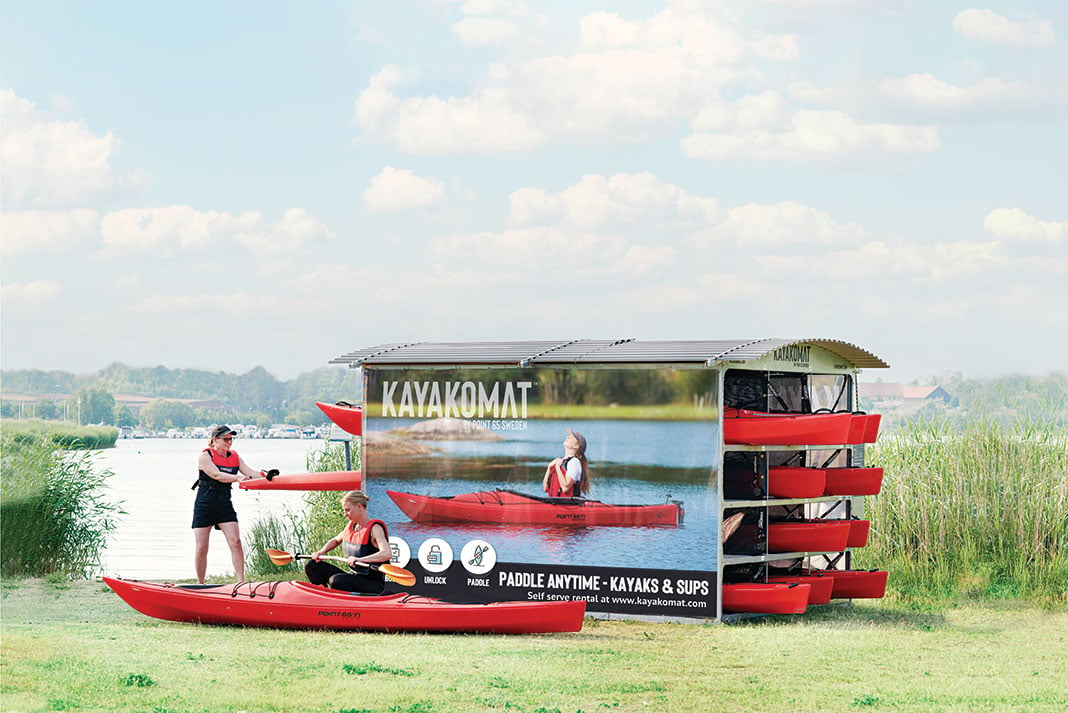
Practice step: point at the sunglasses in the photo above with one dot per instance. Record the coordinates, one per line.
(228, 439)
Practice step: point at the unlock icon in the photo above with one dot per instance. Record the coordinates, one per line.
(434, 556)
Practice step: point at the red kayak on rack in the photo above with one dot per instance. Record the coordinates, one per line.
(329, 480)
(808, 536)
(820, 586)
(509, 506)
(853, 481)
(795, 482)
(348, 418)
(855, 584)
(299, 605)
(741, 426)
(766, 598)
(858, 530)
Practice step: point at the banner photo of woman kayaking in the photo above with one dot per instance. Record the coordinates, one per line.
(549, 483)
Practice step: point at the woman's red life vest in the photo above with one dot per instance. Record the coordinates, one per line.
(355, 544)
(229, 463)
(554, 490)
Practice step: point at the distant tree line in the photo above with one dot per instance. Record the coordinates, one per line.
(255, 397)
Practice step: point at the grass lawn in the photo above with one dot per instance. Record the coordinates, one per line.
(78, 647)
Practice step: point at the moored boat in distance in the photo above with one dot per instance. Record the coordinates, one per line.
(299, 605)
(511, 507)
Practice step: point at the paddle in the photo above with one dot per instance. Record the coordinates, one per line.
(394, 573)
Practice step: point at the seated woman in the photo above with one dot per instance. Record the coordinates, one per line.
(568, 477)
(363, 541)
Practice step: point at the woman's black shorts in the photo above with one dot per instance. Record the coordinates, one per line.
(212, 506)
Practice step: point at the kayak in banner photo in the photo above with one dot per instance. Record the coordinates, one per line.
(329, 480)
(512, 507)
(299, 605)
(348, 418)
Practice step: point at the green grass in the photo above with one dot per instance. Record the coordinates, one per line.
(80, 648)
(978, 510)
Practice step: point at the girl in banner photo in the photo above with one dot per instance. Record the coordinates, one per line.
(569, 477)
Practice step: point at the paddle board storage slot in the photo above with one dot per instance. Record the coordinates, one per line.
(783, 433)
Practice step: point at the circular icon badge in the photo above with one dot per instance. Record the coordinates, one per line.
(400, 552)
(435, 555)
(478, 557)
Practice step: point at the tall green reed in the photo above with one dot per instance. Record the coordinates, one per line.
(68, 436)
(54, 513)
(979, 509)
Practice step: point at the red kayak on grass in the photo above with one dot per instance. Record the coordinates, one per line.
(349, 418)
(329, 480)
(795, 482)
(808, 536)
(853, 481)
(741, 426)
(770, 598)
(509, 506)
(299, 605)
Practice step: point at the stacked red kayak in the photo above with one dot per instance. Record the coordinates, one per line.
(766, 598)
(742, 426)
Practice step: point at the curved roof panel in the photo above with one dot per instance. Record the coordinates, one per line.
(593, 351)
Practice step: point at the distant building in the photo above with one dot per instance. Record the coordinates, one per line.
(904, 394)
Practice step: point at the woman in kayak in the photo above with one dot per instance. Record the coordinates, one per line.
(568, 477)
(363, 541)
(219, 467)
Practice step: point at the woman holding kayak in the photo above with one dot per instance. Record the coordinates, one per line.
(363, 541)
(568, 477)
(219, 467)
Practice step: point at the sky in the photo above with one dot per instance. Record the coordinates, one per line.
(228, 185)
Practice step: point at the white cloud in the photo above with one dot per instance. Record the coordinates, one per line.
(395, 189)
(924, 95)
(787, 225)
(1013, 224)
(26, 231)
(622, 199)
(806, 135)
(287, 236)
(493, 23)
(50, 162)
(232, 303)
(985, 25)
(39, 292)
(632, 77)
(143, 229)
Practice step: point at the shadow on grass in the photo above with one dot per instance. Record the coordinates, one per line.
(853, 616)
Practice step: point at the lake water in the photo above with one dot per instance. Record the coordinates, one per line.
(633, 463)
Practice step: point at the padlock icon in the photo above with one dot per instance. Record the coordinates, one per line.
(434, 555)
(394, 552)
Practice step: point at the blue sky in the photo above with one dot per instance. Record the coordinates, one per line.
(225, 185)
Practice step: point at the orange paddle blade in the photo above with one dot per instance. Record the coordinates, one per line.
(398, 574)
(278, 556)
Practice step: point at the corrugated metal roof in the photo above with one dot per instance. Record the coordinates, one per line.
(593, 351)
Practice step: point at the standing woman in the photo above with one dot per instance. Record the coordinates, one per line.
(219, 467)
(569, 477)
(363, 541)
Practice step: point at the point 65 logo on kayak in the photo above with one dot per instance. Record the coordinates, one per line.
(455, 399)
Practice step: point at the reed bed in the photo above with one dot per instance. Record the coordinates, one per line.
(979, 509)
(54, 513)
(68, 436)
